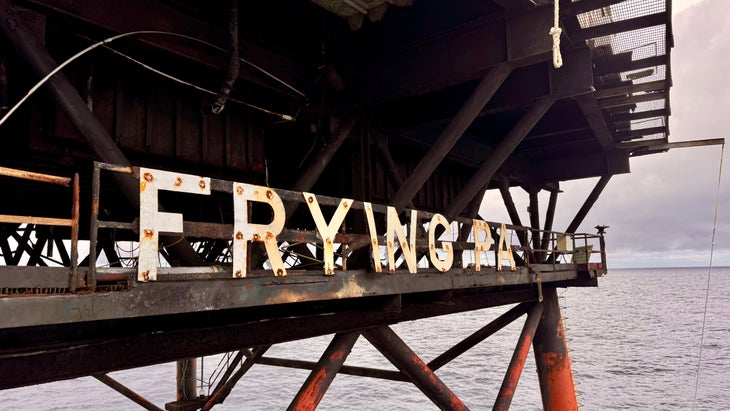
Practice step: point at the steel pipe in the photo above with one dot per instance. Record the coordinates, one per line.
(324, 372)
(553, 360)
(512, 377)
(398, 353)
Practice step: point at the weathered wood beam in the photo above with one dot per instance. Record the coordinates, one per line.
(620, 26)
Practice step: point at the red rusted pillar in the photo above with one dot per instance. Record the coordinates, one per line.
(552, 357)
(324, 372)
(398, 353)
(512, 377)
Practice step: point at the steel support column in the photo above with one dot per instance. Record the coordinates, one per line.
(588, 204)
(398, 353)
(324, 372)
(451, 134)
(499, 156)
(512, 377)
(552, 357)
(186, 380)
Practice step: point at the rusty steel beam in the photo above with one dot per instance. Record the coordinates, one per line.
(120, 388)
(345, 369)
(29, 175)
(398, 353)
(480, 335)
(552, 357)
(495, 160)
(588, 204)
(517, 363)
(451, 134)
(324, 372)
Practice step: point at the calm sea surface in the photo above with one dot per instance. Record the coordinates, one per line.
(634, 342)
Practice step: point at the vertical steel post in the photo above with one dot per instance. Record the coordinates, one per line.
(534, 211)
(187, 387)
(549, 217)
(398, 353)
(324, 372)
(552, 357)
(451, 134)
(512, 377)
(74, 266)
(94, 225)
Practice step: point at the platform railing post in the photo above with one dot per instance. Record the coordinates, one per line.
(512, 376)
(552, 357)
(398, 353)
(324, 372)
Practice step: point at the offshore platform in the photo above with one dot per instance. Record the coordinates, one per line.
(189, 178)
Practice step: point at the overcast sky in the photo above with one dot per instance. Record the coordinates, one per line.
(661, 215)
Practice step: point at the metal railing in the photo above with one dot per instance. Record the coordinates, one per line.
(73, 222)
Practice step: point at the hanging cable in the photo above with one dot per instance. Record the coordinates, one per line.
(234, 64)
(138, 33)
(709, 275)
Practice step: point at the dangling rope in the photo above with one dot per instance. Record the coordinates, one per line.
(709, 273)
(556, 31)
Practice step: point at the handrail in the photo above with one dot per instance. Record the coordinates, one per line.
(73, 222)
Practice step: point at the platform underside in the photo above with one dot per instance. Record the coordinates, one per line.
(63, 337)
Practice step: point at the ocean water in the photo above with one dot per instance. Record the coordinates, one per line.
(635, 344)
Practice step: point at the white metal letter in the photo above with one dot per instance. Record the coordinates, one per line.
(327, 231)
(373, 236)
(481, 246)
(245, 231)
(152, 221)
(441, 265)
(395, 227)
(504, 250)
